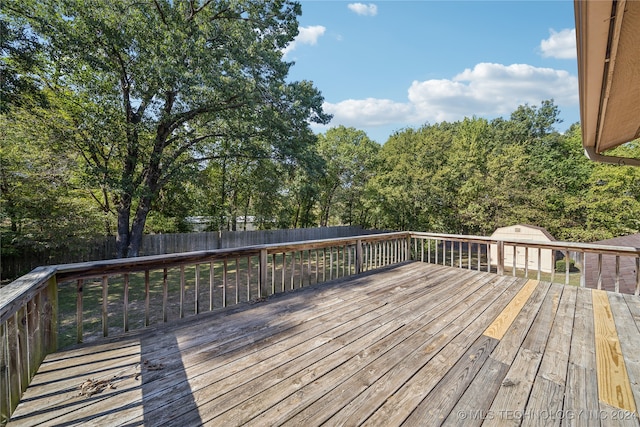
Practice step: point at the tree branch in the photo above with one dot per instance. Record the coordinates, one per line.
(195, 10)
(164, 21)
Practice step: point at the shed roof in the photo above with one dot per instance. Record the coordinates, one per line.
(534, 227)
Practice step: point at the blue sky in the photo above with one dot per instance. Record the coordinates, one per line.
(387, 65)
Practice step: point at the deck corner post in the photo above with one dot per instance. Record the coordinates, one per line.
(500, 257)
(50, 316)
(262, 282)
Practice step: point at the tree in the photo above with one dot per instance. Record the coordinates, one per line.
(155, 86)
(41, 206)
(19, 53)
(349, 161)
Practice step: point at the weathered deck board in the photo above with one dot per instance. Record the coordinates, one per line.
(405, 345)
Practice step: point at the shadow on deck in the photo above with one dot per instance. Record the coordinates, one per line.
(416, 344)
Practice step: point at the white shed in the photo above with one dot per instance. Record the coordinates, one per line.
(523, 232)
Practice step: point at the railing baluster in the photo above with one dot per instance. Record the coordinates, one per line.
(344, 250)
(567, 267)
(237, 280)
(488, 250)
(384, 244)
(526, 262)
(5, 370)
(197, 286)
(583, 270)
(262, 274)
(248, 278)
(293, 269)
(479, 258)
(17, 385)
(513, 266)
(539, 263)
(183, 285)
(599, 271)
(126, 302)
(553, 266)
(284, 269)
(105, 306)
(147, 297)
(637, 291)
(331, 263)
(617, 289)
(301, 268)
(225, 267)
(452, 254)
(273, 273)
(165, 295)
(324, 264)
(211, 285)
(79, 310)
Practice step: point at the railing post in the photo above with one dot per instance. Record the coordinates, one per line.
(359, 256)
(500, 256)
(50, 308)
(262, 281)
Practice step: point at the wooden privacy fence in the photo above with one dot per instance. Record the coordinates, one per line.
(78, 302)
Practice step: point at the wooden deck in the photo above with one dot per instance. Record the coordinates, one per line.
(415, 345)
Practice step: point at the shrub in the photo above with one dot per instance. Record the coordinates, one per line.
(561, 266)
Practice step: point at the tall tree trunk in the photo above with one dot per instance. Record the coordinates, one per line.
(137, 229)
(122, 236)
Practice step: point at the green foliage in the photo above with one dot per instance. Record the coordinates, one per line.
(41, 207)
(474, 176)
(150, 89)
(561, 266)
(349, 163)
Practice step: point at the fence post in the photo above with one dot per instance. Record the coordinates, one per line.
(262, 282)
(500, 256)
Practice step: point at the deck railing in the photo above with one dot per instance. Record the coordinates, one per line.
(79, 302)
(535, 259)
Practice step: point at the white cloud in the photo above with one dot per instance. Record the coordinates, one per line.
(364, 9)
(561, 45)
(306, 35)
(488, 90)
(368, 112)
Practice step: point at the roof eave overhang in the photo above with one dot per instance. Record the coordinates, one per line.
(607, 40)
